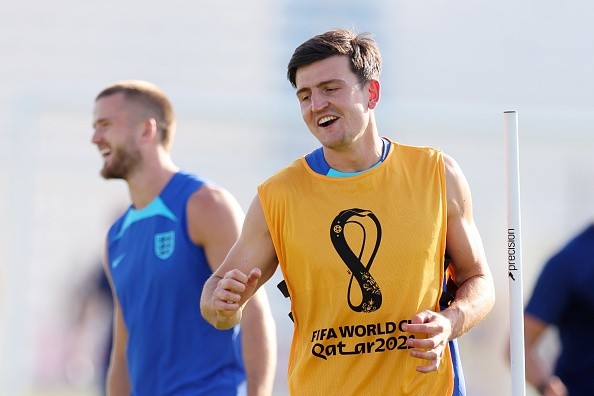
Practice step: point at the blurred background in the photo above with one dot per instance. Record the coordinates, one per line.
(450, 71)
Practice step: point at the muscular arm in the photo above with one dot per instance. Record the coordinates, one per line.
(249, 264)
(214, 219)
(475, 295)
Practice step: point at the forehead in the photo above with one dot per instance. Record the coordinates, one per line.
(333, 68)
(110, 106)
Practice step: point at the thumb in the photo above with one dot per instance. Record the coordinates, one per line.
(254, 277)
(420, 318)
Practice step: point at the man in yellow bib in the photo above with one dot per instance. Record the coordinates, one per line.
(360, 228)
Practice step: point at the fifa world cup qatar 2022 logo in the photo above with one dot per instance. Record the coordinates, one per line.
(350, 231)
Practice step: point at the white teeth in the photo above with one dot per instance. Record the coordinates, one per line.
(105, 151)
(326, 119)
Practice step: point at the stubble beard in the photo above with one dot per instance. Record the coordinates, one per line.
(121, 164)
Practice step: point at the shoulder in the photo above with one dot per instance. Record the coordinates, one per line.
(584, 237)
(576, 252)
(452, 167)
(212, 210)
(210, 198)
(416, 158)
(582, 241)
(416, 151)
(457, 188)
(187, 181)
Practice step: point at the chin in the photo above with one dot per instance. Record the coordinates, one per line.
(109, 174)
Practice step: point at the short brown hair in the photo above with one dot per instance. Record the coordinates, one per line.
(360, 48)
(152, 99)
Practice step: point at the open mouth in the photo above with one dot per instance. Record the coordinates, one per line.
(105, 151)
(327, 121)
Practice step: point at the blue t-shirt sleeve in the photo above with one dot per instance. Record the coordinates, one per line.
(552, 291)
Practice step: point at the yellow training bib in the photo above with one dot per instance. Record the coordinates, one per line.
(361, 255)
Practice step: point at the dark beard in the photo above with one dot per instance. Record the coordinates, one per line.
(121, 165)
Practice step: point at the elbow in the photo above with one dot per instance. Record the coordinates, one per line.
(487, 295)
(209, 314)
(486, 299)
(222, 325)
(483, 294)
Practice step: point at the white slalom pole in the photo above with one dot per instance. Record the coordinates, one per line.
(514, 254)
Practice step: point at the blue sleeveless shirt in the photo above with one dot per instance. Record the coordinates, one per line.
(158, 274)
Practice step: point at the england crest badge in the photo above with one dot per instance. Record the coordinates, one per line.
(164, 244)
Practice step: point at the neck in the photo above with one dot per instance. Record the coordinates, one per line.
(358, 156)
(147, 184)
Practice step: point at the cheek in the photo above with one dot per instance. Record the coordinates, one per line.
(305, 113)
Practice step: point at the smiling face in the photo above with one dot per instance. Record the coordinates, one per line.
(116, 132)
(334, 105)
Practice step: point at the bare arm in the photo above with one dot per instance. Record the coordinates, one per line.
(118, 380)
(536, 374)
(475, 295)
(258, 333)
(214, 222)
(214, 218)
(249, 264)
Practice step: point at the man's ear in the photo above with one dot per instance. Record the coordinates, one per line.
(374, 93)
(150, 129)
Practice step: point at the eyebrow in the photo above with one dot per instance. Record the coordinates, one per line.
(320, 84)
(100, 121)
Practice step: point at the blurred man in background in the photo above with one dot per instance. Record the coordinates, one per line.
(563, 298)
(158, 255)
